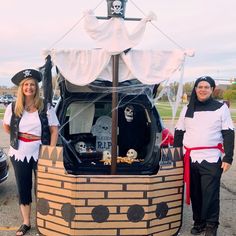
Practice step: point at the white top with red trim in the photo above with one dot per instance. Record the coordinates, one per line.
(204, 129)
(29, 123)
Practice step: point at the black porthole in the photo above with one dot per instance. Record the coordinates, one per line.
(135, 213)
(100, 213)
(43, 206)
(68, 212)
(162, 210)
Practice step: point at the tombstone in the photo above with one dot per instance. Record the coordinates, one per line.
(102, 130)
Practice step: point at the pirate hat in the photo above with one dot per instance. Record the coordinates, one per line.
(28, 73)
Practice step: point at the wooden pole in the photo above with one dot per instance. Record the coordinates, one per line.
(115, 76)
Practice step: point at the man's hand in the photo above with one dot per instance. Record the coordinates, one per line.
(225, 166)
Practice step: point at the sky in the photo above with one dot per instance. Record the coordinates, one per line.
(27, 27)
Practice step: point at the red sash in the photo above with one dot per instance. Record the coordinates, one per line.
(27, 139)
(187, 166)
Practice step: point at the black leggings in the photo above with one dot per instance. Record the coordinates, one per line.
(24, 178)
(205, 191)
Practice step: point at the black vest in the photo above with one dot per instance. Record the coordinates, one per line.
(14, 130)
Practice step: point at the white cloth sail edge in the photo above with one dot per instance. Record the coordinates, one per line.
(112, 35)
(81, 67)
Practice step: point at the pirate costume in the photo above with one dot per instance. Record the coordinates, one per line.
(27, 133)
(205, 130)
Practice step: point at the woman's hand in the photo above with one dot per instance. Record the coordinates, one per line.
(6, 128)
(225, 166)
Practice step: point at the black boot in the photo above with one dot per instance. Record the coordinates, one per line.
(198, 228)
(211, 230)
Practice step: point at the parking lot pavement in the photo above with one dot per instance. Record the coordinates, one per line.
(10, 218)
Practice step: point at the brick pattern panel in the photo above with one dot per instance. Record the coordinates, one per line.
(107, 204)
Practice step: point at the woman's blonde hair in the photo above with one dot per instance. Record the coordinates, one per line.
(20, 101)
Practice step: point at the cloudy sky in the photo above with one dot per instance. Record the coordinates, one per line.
(27, 27)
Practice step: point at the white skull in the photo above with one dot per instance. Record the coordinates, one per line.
(132, 154)
(129, 113)
(106, 157)
(80, 147)
(117, 7)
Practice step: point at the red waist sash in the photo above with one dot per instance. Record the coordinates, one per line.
(187, 166)
(28, 137)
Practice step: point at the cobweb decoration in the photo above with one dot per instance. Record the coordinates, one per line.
(174, 97)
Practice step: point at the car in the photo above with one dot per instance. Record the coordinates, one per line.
(85, 115)
(55, 101)
(75, 179)
(4, 166)
(7, 99)
(1, 99)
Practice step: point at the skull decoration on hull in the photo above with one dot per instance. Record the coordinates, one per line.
(116, 8)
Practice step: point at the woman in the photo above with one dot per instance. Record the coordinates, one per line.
(30, 123)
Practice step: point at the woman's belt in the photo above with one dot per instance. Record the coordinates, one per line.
(25, 137)
(187, 166)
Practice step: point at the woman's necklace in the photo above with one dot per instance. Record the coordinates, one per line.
(28, 108)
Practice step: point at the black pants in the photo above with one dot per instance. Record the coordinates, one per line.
(24, 178)
(205, 191)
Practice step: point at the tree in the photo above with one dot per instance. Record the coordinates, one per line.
(218, 93)
(188, 87)
(230, 93)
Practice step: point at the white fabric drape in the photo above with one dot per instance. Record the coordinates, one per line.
(112, 34)
(81, 67)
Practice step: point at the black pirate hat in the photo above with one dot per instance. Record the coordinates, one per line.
(28, 73)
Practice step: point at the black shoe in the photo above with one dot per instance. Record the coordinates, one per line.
(211, 230)
(198, 229)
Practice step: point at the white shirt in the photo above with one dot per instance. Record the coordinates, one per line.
(29, 123)
(204, 129)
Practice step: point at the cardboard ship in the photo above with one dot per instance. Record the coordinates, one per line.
(80, 203)
(108, 204)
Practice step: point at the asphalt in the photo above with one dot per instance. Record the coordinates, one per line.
(10, 218)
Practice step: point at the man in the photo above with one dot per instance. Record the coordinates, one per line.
(204, 128)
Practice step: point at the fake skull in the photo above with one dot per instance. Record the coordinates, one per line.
(132, 154)
(117, 7)
(129, 113)
(80, 147)
(106, 157)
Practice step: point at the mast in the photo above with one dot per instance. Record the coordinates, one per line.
(115, 8)
(115, 79)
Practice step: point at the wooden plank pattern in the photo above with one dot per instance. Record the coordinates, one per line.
(108, 204)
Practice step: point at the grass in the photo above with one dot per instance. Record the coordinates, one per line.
(1, 113)
(165, 110)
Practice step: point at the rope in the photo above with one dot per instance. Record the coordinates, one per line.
(68, 31)
(172, 40)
